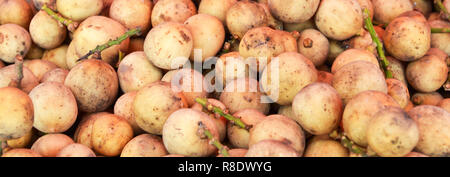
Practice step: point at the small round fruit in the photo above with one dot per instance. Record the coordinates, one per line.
(144, 145)
(325, 148)
(386, 10)
(183, 133)
(243, 16)
(169, 45)
(94, 84)
(352, 55)
(360, 111)
(208, 35)
(434, 128)
(239, 137)
(110, 134)
(136, 71)
(14, 40)
(279, 128)
(427, 74)
(217, 8)
(343, 27)
(16, 113)
(21, 152)
(76, 150)
(39, 67)
(314, 46)
(55, 107)
(408, 38)
(15, 12)
(132, 13)
(124, 109)
(392, 133)
(57, 56)
(286, 75)
(271, 148)
(49, 145)
(242, 94)
(293, 11)
(46, 32)
(318, 108)
(56, 75)
(357, 77)
(172, 11)
(80, 9)
(399, 91)
(154, 104)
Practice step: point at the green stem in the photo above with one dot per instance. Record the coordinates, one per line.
(222, 149)
(440, 30)
(347, 143)
(442, 8)
(373, 34)
(71, 25)
(232, 119)
(110, 43)
(16, 82)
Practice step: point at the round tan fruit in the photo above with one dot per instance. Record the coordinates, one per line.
(318, 108)
(49, 145)
(343, 27)
(183, 133)
(14, 40)
(76, 150)
(392, 133)
(94, 84)
(172, 11)
(360, 111)
(357, 77)
(154, 104)
(55, 107)
(136, 71)
(16, 113)
(144, 145)
(286, 75)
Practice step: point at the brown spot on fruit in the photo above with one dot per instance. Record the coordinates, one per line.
(185, 37)
(308, 43)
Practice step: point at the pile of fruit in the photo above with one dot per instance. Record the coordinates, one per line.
(277, 78)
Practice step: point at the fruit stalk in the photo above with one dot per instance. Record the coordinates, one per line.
(373, 34)
(19, 72)
(236, 121)
(110, 43)
(442, 8)
(440, 30)
(71, 25)
(347, 143)
(204, 131)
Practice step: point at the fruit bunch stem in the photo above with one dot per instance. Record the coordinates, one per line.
(440, 30)
(71, 25)
(373, 34)
(16, 82)
(236, 121)
(110, 43)
(442, 8)
(222, 149)
(349, 144)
